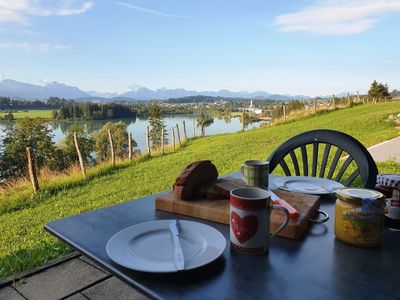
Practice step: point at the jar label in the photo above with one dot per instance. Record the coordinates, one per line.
(393, 209)
(363, 225)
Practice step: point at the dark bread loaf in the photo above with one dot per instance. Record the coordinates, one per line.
(202, 189)
(193, 176)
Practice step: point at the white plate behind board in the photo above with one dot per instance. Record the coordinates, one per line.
(148, 246)
(307, 185)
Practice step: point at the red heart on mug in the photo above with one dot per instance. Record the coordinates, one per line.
(243, 228)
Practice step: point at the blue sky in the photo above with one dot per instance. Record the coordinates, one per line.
(313, 47)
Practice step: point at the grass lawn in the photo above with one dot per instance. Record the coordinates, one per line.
(24, 243)
(35, 113)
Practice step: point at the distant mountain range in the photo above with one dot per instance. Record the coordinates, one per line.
(143, 93)
(15, 89)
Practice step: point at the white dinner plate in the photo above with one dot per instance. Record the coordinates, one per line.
(149, 246)
(307, 185)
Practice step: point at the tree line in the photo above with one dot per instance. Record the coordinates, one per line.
(93, 111)
(7, 103)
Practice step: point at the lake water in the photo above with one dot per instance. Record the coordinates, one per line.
(138, 126)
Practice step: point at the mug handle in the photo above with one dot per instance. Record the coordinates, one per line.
(279, 229)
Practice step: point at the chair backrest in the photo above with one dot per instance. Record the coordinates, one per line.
(349, 152)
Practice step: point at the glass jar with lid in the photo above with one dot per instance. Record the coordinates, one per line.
(359, 216)
(389, 185)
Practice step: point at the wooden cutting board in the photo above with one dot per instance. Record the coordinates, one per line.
(218, 210)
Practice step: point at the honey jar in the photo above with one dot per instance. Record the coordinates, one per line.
(389, 185)
(359, 216)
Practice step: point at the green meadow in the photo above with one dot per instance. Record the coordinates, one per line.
(24, 243)
(35, 113)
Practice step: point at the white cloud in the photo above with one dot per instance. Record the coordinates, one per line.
(33, 47)
(337, 17)
(19, 11)
(149, 11)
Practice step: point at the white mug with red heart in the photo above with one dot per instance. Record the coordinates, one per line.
(250, 211)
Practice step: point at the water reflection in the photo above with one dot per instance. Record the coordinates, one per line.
(138, 126)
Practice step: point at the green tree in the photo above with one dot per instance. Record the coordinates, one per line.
(85, 142)
(245, 119)
(33, 133)
(227, 114)
(156, 125)
(378, 90)
(120, 140)
(203, 121)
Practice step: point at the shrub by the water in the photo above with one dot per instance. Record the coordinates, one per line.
(119, 137)
(32, 133)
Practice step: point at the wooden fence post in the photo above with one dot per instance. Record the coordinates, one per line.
(284, 112)
(358, 97)
(148, 141)
(111, 147)
(78, 151)
(130, 146)
(194, 128)
(184, 130)
(32, 170)
(162, 140)
(179, 135)
(315, 106)
(334, 101)
(349, 99)
(173, 138)
(243, 121)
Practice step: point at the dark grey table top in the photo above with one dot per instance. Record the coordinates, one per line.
(317, 266)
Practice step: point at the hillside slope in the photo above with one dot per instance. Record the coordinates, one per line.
(25, 244)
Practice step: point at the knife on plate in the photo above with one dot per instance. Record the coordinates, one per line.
(178, 254)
